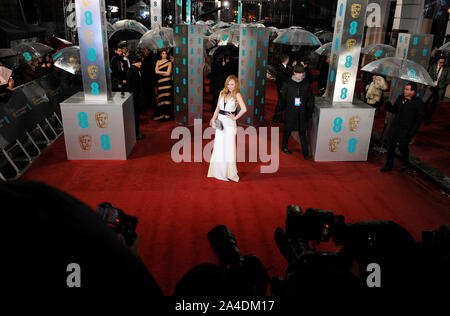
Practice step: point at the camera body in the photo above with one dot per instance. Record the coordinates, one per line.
(246, 272)
(120, 222)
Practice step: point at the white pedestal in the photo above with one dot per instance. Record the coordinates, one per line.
(341, 132)
(98, 131)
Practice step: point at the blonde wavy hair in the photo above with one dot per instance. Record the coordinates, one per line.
(237, 88)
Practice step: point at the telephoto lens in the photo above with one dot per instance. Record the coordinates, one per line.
(225, 246)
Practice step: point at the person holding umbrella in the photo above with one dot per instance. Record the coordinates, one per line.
(298, 100)
(148, 67)
(441, 78)
(284, 73)
(409, 112)
(117, 74)
(135, 85)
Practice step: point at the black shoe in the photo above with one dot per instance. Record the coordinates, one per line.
(140, 137)
(402, 168)
(386, 169)
(286, 150)
(305, 155)
(276, 120)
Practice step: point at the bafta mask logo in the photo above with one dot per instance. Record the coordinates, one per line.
(346, 77)
(338, 27)
(101, 118)
(354, 123)
(349, 44)
(413, 52)
(355, 10)
(86, 3)
(89, 36)
(333, 144)
(85, 142)
(93, 71)
(426, 40)
(333, 62)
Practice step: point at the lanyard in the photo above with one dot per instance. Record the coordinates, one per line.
(438, 73)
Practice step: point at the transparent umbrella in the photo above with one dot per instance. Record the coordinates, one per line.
(7, 52)
(445, 47)
(324, 36)
(324, 50)
(110, 28)
(297, 36)
(208, 42)
(255, 24)
(220, 25)
(32, 50)
(130, 25)
(229, 50)
(68, 59)
(273, 32)
(379, 50)
(399, 68)
(157, 38)
(206, 29)
(225, 37)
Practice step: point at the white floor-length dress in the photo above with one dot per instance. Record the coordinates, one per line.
(223, 159)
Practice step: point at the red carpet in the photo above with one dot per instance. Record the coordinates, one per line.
(177, 205)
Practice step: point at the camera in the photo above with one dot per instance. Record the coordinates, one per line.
(120, 222)
(246, 272)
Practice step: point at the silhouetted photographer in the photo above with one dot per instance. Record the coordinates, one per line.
(368, 247)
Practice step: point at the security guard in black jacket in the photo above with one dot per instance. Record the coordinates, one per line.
(298, 100)
(409, 112)
(135, 85)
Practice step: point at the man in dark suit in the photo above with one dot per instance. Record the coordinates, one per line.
(298, 100)
(135, 85)
(117, 74)
(441, 77)
(148, 67)
(284, 73)
(409, 111)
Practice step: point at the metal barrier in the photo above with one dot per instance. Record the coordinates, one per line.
(30, 121)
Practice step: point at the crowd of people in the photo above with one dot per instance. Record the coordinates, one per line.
(403, 118)
(30, 70)
(148, 77)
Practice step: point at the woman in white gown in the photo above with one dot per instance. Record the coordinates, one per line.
(223, 159)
